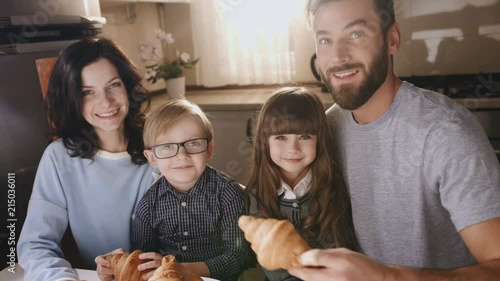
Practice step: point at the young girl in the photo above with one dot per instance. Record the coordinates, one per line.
(294, 176)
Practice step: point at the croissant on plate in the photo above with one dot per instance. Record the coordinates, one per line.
(124, 266)
(276, 242)
(168, 271)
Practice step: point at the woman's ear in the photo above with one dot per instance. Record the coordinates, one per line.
(394, 39)
(151, 158)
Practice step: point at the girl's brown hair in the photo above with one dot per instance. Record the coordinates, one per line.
(294, 110)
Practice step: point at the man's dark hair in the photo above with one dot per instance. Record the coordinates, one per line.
(384, 9)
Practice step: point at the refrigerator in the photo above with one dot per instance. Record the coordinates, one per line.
(32, 33)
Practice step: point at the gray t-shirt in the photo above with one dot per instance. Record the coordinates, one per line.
(419, 174)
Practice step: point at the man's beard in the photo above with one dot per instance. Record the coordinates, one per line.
(349, 97)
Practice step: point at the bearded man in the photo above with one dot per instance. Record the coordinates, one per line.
(423, 178)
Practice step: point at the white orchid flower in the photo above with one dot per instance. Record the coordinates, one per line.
(158, 66)
(165, 38)
(159, 33)
(147, 51)
(168, 38)
(185, 57)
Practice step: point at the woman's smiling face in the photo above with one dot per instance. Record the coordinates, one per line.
(105, 102)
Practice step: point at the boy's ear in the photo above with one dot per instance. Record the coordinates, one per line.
(211, 146)
(151, 158)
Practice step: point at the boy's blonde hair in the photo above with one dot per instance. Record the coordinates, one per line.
(166, 115)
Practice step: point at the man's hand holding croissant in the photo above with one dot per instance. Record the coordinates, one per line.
(275, 242)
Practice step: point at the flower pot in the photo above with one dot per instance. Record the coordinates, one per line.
(176, 88)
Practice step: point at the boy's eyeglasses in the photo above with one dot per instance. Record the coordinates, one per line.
(169, 150)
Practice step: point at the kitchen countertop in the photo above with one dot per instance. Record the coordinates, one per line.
(252, 99)
(231, 100)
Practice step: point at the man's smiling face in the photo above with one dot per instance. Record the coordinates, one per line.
(352, 51)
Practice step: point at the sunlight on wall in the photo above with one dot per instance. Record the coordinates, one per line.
(267, 41)
(261, 37)
(489, 29)
(269, 17)
(437, 33)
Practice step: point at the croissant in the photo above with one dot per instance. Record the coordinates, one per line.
(168, 271)
(276, 242)
(124, 266)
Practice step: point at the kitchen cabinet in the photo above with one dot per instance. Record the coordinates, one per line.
(233, 150)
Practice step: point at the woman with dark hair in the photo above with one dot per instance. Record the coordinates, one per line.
(91, 178)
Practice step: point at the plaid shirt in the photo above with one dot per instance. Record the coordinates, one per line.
(199, 225)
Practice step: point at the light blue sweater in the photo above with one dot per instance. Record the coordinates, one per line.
(96, 197)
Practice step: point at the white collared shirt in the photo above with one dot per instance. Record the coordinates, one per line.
(300, 189)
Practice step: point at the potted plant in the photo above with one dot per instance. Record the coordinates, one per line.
(168, 67)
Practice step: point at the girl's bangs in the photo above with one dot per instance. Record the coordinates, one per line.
(292, 123)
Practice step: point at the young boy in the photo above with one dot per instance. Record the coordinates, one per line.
(192, 210)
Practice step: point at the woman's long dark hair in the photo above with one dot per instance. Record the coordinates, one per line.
(294, 110)
(64, 98)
